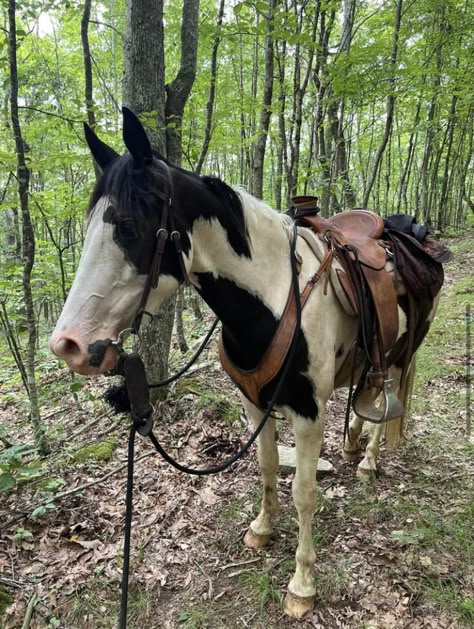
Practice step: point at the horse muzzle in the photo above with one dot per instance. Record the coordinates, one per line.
(85, 359)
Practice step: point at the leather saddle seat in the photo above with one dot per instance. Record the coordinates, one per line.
(358, 229)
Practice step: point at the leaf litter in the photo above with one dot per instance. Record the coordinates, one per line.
(376, 558)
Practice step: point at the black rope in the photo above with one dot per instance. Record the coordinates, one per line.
(191, 362)
(128, 529)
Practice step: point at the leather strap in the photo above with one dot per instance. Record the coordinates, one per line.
(162, 235)
(251, 382)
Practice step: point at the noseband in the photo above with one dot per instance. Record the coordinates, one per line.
(167, 230)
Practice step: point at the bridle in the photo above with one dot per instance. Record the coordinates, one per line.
(167, 230)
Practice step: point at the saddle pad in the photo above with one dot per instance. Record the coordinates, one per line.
(337, 273)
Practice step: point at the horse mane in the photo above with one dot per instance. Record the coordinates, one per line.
(136, 195)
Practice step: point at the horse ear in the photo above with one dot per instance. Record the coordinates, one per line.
(136, 139)
(101, 152)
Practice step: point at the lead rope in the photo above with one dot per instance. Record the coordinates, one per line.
(142, 416)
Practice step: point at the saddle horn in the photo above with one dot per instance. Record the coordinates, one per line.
(136, 139)
(101, 152)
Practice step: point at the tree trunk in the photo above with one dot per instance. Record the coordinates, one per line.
(28, 237)
(390, 105)
(177, 92)
(212, 91)
(162, 108)
(259, 155)
(144, 66)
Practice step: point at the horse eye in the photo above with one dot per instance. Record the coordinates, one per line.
(127, 230)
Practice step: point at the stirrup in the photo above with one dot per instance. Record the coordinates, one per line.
(391, 408)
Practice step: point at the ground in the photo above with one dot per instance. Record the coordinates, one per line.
(395, 552)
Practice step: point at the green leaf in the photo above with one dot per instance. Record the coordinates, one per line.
(42, 510)
(22, 533)
(76, 386)
(6, 481)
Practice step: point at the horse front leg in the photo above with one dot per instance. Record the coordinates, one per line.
(308, 438)
(260, 530)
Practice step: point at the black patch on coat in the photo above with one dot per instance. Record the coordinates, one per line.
(248, 327)
(137, 200)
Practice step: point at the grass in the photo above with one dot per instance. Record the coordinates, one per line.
(100, 601)
(446, 596)
(263, 587)
(193, 619)
(219, 405)
(333, 583)
(233, 510)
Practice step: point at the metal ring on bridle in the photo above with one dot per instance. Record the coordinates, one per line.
(118, 343)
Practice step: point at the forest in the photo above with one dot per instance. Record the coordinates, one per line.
(361, 103)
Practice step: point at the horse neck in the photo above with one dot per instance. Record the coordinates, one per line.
(247, 293)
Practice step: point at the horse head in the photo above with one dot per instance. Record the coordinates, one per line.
(124, 216)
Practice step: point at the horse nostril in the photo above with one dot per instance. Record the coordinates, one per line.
(71, 348)
(66, 348)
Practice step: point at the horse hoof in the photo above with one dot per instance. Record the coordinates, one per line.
(297, 606)
(257, 542)
(349, 456)
(366, 473)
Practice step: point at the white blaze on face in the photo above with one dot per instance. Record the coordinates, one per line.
(103, 299)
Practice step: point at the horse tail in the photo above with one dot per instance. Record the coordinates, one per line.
(394, 429)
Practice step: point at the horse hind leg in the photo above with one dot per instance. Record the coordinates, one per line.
(351, 446)
(392, 430)
(260, 530)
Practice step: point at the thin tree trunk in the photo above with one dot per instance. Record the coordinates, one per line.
(265, 115)
(390, 105)
(183, 346)
(86, 15)
(212, 91)
(281, 148)
(404, 178)
(443, 205)
(28, 237)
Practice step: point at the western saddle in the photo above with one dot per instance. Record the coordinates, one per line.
(361, 243)
(354, 237)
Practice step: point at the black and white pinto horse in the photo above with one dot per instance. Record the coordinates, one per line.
(237, 256)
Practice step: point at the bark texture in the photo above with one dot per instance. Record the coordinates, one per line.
(259, 156)
(161, 110)
(28, 237)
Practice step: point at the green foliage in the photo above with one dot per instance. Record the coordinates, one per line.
(13, 469)
(193, 619)
(23, 534)
(263, 586)
(6, 599)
